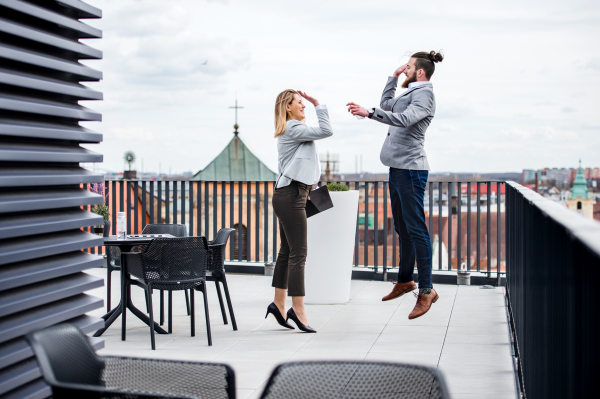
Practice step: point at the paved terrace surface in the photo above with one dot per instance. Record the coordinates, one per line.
(465, 334)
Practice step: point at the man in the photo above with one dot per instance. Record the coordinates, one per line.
(408, 115)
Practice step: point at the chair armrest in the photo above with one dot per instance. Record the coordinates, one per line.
(66, 390)
(168, 377)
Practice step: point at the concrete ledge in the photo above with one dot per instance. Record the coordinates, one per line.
(363, 273)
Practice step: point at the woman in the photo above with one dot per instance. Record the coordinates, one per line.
(299, 169)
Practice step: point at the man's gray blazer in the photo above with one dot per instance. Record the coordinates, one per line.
(297, 150)
(408, 115)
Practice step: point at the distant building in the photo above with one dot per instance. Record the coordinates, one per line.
(580, 200)
(235, 204)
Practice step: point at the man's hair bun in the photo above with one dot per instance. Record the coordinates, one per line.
(436, 57)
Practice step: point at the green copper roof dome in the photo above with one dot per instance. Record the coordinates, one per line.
(579, 185)
(236, 163)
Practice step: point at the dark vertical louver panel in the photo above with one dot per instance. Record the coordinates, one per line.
(43, 201)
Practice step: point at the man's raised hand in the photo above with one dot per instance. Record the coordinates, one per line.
(400, 70)
(356, 109)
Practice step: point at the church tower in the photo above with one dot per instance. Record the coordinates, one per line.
(580, 201)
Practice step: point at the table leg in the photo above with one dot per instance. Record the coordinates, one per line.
(109, 319)
(124, 304)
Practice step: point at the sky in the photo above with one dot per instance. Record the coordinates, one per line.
(518, 88)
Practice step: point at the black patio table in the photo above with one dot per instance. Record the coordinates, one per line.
(125, 245)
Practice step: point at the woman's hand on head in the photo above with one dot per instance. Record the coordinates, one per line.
(308, 98)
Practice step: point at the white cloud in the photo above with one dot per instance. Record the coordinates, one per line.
(497, 91)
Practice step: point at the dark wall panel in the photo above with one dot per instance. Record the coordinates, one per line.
(43, 216)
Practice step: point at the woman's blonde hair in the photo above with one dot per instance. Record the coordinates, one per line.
(281, 113)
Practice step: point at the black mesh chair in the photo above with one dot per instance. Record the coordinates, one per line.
(73, 370)
(171, 264)
(113, 261)
(216, 271)
(353, 379)
(176, 230)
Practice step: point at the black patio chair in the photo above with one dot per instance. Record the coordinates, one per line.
(171, 264)
(176, 230)
(354, 379)
(216, 271)
(73, 370)
(113, 262)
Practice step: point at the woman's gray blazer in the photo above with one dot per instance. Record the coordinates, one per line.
(297, 150)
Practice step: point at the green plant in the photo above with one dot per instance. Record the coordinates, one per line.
(337, 187)
(102, 210)
(129, 157)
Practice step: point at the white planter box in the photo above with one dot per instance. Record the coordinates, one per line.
(331, 234)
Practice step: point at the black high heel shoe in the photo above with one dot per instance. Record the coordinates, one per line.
(292, 315)
(274, 310)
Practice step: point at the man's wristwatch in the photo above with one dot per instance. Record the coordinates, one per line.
(371, 112)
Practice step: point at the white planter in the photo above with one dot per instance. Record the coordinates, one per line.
(331, 234)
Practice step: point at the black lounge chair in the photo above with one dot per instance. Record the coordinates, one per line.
(73, 370)
(354, 379)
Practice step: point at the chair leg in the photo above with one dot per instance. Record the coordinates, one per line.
(187, 302)
(151, 316)
(206, 315)
(193, 313)
(147, 305)
(223, 313)
(170, 313)
(162, 307)
(108, 287)
(228, 298)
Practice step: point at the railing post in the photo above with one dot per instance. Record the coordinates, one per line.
(366, 230)
(144, 204)
(450, 225)
(478, 226)
(459, 226)
(440, 226)
(376, 225)
(385, 230)
(159, 204)
(489, 229)
(499, 233)
(191, 207)
(167, 202)
(183, 210)
(174, 202)
(469, 226)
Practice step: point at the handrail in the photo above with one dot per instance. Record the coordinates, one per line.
(376, 242)
(553, 268)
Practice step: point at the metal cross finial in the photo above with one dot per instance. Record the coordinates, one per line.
(236, 126)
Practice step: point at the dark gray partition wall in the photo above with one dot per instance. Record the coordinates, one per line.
(42, 186)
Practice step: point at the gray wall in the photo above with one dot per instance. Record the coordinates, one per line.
(42, 244)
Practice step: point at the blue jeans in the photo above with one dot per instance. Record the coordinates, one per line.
(407, 191)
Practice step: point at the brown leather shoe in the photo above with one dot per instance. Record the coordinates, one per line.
(399, 290)
(423, 304)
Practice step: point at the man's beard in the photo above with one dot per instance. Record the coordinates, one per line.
(409, 79)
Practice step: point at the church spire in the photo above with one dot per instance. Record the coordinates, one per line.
(236, 126)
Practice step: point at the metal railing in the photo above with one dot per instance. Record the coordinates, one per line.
(205, 207)
(553, 258)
